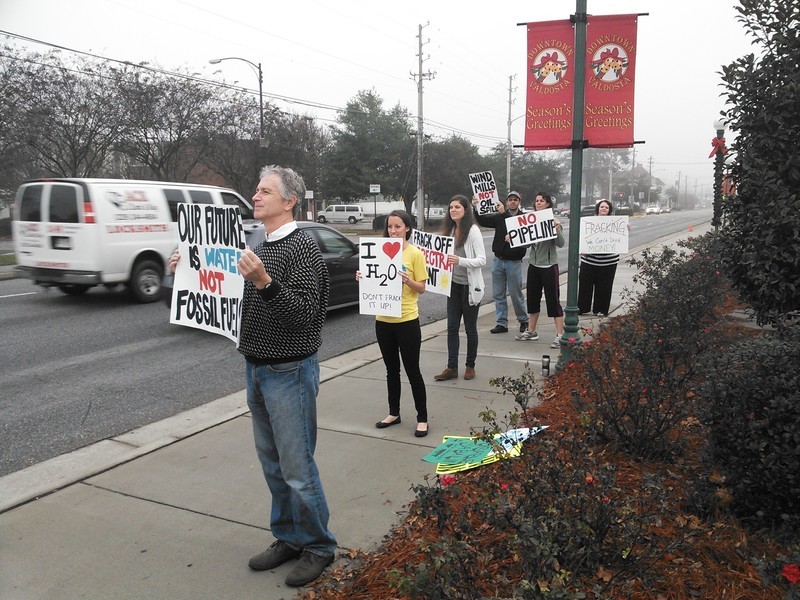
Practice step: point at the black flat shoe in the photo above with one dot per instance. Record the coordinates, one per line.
(420, 433)
(382, 425)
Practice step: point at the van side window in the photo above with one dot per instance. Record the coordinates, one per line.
(201, 197)
(63, 204)
(30, 206)
(174, 197)
(234, 200)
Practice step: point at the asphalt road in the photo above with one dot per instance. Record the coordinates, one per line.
(76, 370)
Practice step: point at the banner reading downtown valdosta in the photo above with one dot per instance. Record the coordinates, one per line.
(531, 228)
(380, 288)
(436, 248)
(207, 292)
(604, 235)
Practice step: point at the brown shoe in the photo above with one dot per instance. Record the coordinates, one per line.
(469, 373)
(446, 374)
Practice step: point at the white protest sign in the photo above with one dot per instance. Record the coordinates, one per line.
(380, 288)
(531, 227)
(484, 189)
(604, 235)
(436, 248)
(208, 288)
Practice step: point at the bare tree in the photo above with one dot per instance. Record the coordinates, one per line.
(167, 122)
(66, 114)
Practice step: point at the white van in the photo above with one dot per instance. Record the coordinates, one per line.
(74, 234)
(342, 213)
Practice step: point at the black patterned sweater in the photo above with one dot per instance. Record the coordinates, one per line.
(283, 322)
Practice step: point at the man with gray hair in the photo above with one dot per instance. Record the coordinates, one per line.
(284, 306)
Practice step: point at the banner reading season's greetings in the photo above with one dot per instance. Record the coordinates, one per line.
(207, 293)
(608, 80)
(610, 69)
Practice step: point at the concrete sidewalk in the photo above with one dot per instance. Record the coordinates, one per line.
(175, 509)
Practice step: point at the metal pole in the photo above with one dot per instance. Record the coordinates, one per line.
(260, 106)
(571, 331)
(508, 149)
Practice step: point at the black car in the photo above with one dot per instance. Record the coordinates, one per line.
(339, 253)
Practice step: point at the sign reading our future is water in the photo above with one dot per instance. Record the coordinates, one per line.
(207, 293)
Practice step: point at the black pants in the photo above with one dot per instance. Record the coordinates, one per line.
(597, 281)
(398, 340)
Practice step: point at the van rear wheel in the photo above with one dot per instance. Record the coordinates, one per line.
(145, 283)
(74, 289)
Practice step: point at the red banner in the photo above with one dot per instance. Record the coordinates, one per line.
(610, 70)
(551, 75)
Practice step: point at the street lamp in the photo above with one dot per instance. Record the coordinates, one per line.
(718, 150)
(257, 67)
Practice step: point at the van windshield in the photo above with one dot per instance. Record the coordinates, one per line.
(234, 200)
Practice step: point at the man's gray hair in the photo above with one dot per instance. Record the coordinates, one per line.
(289, 184)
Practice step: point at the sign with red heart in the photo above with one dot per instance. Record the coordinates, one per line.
(380, 287)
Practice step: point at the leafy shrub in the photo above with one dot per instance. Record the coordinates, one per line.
(752, 409)
(760, 233)
(642, 367)
(557, 510)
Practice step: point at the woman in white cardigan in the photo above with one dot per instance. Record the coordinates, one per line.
(466, 288)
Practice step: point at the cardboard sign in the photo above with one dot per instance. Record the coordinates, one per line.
(484, 189)
(436, 248)
(380, 288)
(604, 235)
(531, 228)
(208, 288)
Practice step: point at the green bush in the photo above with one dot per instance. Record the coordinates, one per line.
(642, 366)
(752, 408)
(762, 224)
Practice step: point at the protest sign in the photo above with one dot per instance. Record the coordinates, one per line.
(380, 288)
(436, 248)
(484, 189)
(460, 453)
(531, 227)
(207, 293)
(604, 235)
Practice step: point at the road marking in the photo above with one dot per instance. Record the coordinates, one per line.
(15, 295)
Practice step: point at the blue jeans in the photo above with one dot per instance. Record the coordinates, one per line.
(458, 307)
(508, 274)
(283, 404)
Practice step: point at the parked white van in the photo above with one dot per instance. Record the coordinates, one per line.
(74, 234)
(342, 213)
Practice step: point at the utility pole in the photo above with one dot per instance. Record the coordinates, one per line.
(508, 149)
(633, 168)
(650, 181)
(419, 77)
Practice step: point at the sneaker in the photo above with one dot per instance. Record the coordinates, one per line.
(277, 554)
(527, 336)
(308, 568)
(556, 342)
(498, 329)
(523, 326)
